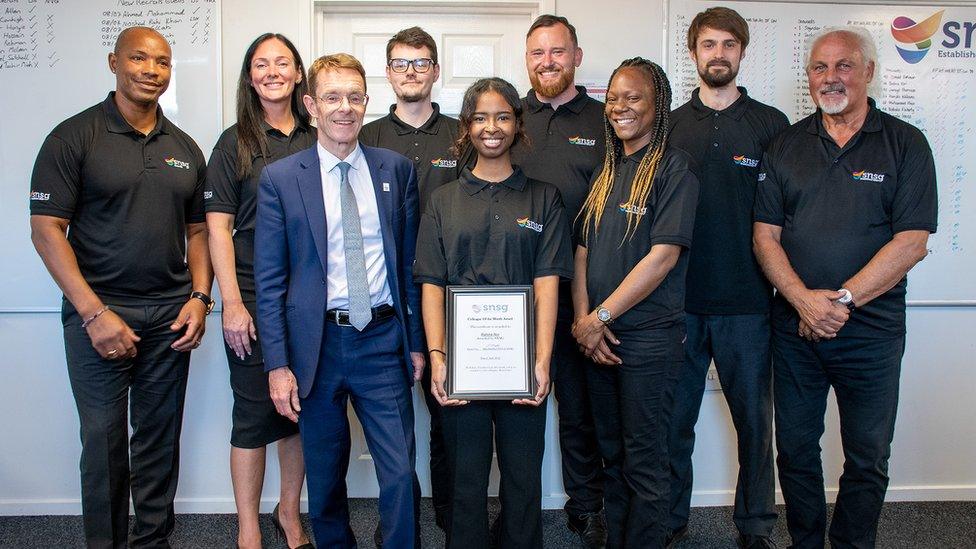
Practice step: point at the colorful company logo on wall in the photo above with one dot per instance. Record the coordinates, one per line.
(741, 160)
(443, 163)
(915, 38)
(172, 162)
(577, 140)
(868, 176)
(527, 223)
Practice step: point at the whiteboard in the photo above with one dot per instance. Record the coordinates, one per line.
(935, 94)
(53, 65)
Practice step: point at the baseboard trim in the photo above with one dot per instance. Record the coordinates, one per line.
(701, 498)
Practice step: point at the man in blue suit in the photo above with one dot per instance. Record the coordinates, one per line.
(337, 308)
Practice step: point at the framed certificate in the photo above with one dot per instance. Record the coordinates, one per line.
(490, 342)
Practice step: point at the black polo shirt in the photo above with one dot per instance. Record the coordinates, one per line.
(565, 146)
(225, 193)
(429, 147)
(481, 233)
(128, 198)
(839, 206)
(723, 274)
(667, 217)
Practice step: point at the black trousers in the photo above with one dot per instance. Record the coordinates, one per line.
(741, 348)
(152, 386)
(440, 474)
(582, 465)
(864, 374)
(632, 407)
(519, 440)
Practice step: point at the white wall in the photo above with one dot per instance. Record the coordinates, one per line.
(934, 441)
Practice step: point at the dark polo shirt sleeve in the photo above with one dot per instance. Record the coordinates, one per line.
(431, 263)
(128, 198)
(769, 194)
(677, 200)
(915, 204)
(222, 193)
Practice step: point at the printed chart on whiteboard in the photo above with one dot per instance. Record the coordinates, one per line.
(925, 76)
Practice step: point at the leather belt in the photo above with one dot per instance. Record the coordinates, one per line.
(341, 316)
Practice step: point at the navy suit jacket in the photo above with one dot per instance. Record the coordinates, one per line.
(291, 253)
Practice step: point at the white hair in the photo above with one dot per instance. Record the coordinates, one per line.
(865, 43)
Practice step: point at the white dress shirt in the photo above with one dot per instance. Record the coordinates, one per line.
(369, 219)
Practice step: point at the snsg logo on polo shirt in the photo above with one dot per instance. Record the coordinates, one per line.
(443, 163)
(742, 160)
(172, 162)
(527, 223)
(868, 176)
(40, 196)
(577, 140)
(627, 208)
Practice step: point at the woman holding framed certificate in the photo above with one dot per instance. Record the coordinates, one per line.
(628, 295)
(495, 243)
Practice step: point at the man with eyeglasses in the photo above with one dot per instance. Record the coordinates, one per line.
(337, 307)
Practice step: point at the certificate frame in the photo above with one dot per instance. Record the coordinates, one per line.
(467, 358)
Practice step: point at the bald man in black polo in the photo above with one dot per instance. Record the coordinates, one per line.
(135, 273)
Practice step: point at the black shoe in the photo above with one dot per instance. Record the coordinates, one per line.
(281, 529)
(378, 536)
(591, 529)
(753, 541)
(675, 536)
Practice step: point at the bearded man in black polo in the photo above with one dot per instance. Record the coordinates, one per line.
(135, 273)
(846, 202)
(727, 298)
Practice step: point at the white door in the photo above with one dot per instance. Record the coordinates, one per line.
(474, 43)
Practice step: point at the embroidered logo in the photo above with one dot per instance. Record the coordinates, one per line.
(743, 161)
(577, 140)
(527, 223)
(443, 163)
(762, 177)
(172, 162)
(386, 186)
(40, 196)
(631, 209)
(868, 176)
(207, 195)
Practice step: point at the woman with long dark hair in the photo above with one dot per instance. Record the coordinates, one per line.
(271, 124)
(493, 226)
(628, 295)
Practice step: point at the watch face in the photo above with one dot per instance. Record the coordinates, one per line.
(603, 315)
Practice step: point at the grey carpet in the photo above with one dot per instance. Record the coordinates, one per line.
(943, 525)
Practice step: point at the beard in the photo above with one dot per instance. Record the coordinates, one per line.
(718, 80)
(412, 94)
(564, 81)
(832, 105)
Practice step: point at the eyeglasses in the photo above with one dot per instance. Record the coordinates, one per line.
(422, 64)
(334, 99)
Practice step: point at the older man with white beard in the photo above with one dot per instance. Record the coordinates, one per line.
(565, 146)
(846, 201)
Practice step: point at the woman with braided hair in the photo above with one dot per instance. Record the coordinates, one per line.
(628, 294)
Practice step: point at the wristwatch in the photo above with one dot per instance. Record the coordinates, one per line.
(847, 299)
(206, 299)
(604, 315)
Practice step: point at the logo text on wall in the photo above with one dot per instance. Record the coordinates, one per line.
(914, 39)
